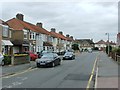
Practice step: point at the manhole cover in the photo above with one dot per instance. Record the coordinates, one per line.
(77, 77)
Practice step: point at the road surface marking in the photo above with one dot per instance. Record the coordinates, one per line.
(19, 73)
(92, 73)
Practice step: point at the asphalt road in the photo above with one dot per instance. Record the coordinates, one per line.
(70, 74)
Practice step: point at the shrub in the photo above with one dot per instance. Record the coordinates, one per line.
(7, 59)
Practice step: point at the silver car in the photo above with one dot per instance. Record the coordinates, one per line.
(1, 59)
(48, 59)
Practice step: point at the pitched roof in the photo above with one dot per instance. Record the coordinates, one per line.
(17, 24)
(69, 39)
(3, 23)
(101, 42)
(57, 35)
(82, 40)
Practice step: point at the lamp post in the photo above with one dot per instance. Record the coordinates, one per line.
(108, 44)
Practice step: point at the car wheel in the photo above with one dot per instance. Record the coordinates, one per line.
(38, 65)
(53, 64)
(2, 63)
(59, 63)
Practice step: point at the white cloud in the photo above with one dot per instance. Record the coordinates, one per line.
(82, 20)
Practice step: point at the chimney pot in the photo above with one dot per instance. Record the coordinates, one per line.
(53, 30)
(71, 37)
(67, 35)
(61, 32)
(20, 16)
(39, 25)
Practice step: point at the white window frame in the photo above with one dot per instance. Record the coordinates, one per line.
(5, 31)
(25, 33)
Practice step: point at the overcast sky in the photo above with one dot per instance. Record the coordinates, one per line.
(82, 20)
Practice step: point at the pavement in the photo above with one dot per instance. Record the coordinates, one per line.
(107, 73)
(12, 69)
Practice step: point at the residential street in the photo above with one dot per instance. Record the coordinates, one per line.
(70, 74)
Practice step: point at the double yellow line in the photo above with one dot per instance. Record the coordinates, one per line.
(92, 73)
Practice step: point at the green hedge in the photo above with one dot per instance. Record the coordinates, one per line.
(7, 59)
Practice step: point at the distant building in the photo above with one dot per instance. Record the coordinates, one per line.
(85, 43)
(101, 45)
(5, 37)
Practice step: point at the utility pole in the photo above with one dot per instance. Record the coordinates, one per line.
(108, 44)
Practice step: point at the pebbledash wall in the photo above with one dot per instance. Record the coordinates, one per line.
(0, 38)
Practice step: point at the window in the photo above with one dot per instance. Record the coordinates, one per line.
(10, 34)
(5, 31)
(25, 34)
(32, 35)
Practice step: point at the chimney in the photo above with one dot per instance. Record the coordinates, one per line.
(61, 32)
(39, 25)
(71, 37)
(20, 16)
(53, 30)
(67, 35)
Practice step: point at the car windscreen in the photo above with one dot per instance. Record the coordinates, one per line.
(47, 56)
(68, 53)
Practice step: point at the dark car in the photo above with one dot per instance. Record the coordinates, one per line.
(69, 56)
(48, 59)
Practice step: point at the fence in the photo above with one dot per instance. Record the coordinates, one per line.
(115, 56)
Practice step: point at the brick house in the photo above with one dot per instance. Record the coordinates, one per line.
(6, 35)
(59, 40)
(85, 43)
(69, 42)
(101, 45)
(27, 36)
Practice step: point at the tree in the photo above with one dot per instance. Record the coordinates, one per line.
(75, 47)
(110, 49)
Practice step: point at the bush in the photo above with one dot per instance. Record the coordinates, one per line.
(110, 49)
(7, 59)
(118, 51)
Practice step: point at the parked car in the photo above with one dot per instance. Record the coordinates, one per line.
(44, 52)
(68, 56)
(48, 59)
(1, 59)
(90, 50)
(33, 56)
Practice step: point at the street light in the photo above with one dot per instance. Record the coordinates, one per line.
(108, 43)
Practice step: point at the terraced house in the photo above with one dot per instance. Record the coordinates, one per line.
(27, 36)
(5, 37)
(30, 37)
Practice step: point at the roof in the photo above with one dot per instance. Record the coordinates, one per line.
(111, 43)
(17, 24)
(82, 40)
(101, 42)
(57, 35)
(69, 39)
(3, 23)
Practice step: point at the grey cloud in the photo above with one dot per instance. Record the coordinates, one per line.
(82, 20)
